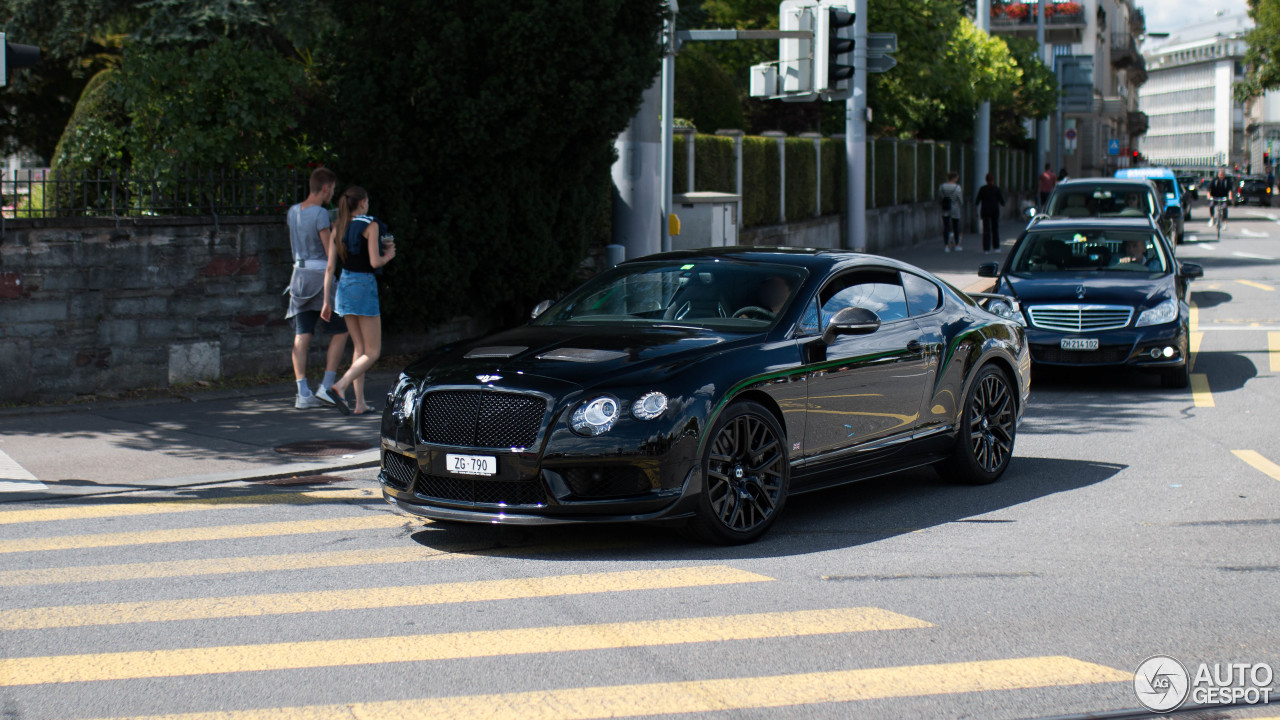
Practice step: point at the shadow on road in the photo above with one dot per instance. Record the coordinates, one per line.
(1210, 298)
(844, 517)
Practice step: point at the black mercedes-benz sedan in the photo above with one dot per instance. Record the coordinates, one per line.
(1101, 292)
(707, 385)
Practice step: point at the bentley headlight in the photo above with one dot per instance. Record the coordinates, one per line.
(595, 417)
(649, 406)
(402, 401)
(1165, 312)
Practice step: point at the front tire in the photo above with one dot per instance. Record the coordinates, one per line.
(1176, 378)
(746, 476)
(988, 429)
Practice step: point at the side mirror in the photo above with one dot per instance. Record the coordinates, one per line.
(539, 309)
(851, 321)
(1191, 271)
(989, 270)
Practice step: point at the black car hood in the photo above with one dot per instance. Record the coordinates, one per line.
(578, 356)
(1064, 288)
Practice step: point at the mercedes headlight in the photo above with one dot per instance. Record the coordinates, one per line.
(649, 406)
(595, 417)
(1004, 310)
(1165, 312)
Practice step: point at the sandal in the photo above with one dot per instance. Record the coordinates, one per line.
(341, 403)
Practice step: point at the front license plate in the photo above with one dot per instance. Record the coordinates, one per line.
(471, 464)
(1079, 343)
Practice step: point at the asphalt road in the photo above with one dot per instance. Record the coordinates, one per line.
(1134, 521)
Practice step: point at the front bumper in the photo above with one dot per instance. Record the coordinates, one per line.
(1127, 346)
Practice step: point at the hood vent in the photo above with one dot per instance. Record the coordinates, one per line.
(497, 351)
(582, 355)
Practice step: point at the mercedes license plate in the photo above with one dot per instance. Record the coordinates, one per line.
(1079, 343)
(471, 464)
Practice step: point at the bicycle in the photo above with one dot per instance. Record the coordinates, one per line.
(1217, 213)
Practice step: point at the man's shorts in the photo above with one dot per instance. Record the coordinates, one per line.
(305, 322)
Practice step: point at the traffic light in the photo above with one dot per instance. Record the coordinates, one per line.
(1266, 159)
(833, 50)
(16, 56)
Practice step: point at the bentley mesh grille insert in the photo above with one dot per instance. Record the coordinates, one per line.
(399, 470)
(477, 418)
(488, 492)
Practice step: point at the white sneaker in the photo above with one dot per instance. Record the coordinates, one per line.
(322, 392)
(310, 401)
(946, 248)
(959, 249)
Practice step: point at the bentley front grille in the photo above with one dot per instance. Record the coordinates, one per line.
(481, 418)
(487, 492)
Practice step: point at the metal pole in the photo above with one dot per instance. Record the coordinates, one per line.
(855, 137)
(1042, 126)
(668, 111)
(982, 123)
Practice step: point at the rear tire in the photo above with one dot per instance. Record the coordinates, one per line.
(746, 475)
(988, 428)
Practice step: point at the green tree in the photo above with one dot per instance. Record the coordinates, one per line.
(1262, 59)
(704, 93)
(487, 142)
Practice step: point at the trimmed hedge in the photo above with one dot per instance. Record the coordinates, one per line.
(802, 178)
(714, 168)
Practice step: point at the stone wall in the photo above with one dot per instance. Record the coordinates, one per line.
(95, 306)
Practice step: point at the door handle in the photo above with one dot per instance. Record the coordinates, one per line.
(915, 346)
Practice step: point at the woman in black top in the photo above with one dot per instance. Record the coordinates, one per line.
(356, 247)
(989, 201)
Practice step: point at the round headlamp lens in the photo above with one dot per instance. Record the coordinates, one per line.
(649, 406)
(595, 417)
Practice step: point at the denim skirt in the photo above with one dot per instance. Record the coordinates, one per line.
(357, 294)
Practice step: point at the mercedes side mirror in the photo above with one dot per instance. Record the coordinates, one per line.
(989, 270)
(851, 321)
(539, 309)
(1191, 271)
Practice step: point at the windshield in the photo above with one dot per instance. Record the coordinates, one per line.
(1166, 186)
(1116, 201)
(713, 294)
(1077, 251)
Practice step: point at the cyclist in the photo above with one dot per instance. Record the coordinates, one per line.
(1220, 192)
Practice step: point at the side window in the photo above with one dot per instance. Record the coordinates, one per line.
(809, 324)
(923, 297)
(878, 291)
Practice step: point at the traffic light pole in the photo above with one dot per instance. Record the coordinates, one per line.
(982, 121)
(855, 137)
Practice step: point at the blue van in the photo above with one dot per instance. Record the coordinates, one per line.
(1177, 204)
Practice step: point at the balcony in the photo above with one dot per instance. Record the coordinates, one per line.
(1124, 52)
(1064, 20)
(1136, 122)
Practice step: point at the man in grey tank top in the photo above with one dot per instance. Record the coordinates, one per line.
(309, 237)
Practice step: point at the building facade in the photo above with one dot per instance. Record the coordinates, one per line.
(1189, 99)
(1096, 57)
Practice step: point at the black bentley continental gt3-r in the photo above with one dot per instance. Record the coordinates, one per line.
(708, 385)
(1097, 292)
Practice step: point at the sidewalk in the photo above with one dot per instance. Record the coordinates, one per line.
(254, 434)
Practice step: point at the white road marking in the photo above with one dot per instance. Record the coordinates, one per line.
(1253, 233)
(15, 478)
(1252, 256)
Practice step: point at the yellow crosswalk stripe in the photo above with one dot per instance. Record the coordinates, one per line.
(367, 598)
(218, 566)
(1273, 350)
(1258, 462)
(1257, 285)
(419, 648)
(125, 509)
(719, 695)
(1200, 393)
(204, 534)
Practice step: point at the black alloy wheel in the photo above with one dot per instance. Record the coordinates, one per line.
(988, 428)
(747, 474)
(1176, 378)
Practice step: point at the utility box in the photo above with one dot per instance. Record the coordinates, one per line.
(707, 219)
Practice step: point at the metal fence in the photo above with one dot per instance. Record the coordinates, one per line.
(43, 193)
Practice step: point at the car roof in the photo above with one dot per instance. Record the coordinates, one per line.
(1095, 181)
(1155, 172)
(1047, 222)
(817, 259)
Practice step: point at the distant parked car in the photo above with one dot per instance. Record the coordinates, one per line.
(1253, 187)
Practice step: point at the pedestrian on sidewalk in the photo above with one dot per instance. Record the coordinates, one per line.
(951, 201)
(358, 247)
(989, 200)
(309, 238)
(1048, 181)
